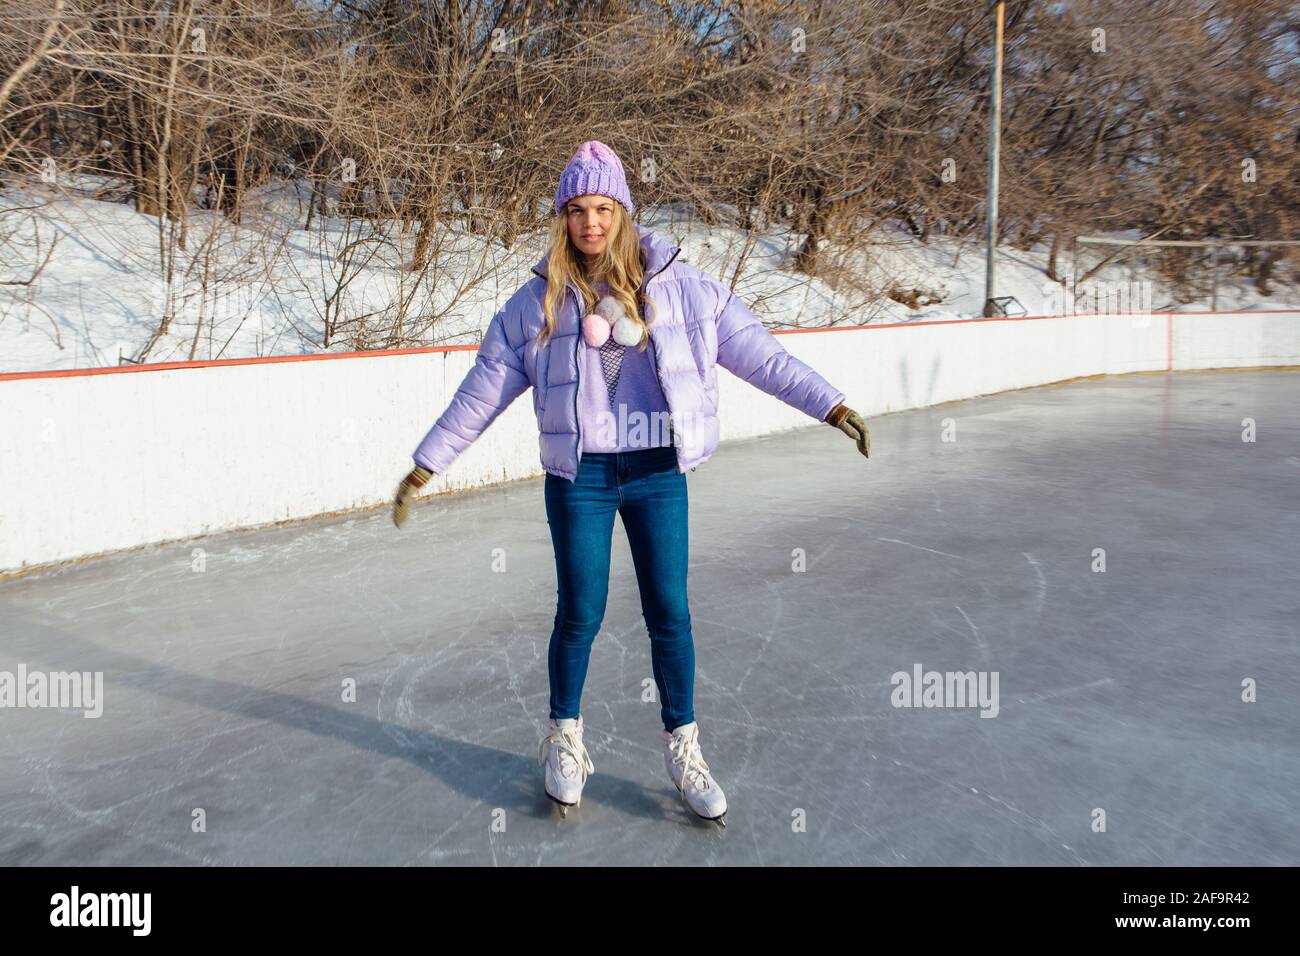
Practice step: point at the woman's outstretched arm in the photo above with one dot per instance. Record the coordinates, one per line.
(748, 350)
(496, 380)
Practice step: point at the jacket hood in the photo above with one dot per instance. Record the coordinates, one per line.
(659, 252)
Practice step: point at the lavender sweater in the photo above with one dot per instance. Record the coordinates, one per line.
(638, 415)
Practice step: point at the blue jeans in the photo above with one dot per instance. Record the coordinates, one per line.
(645, 487)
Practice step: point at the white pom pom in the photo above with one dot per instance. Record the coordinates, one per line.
(627, 332)
(611, 309)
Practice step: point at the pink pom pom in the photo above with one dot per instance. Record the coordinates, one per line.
(595, 330)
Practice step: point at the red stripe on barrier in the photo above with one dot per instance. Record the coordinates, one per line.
(221, 363)
(381, 353)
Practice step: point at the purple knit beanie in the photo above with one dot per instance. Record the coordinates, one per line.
(594, 170)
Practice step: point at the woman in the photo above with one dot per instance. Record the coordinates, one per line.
(619, 340)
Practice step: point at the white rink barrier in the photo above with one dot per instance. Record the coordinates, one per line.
(101, 460)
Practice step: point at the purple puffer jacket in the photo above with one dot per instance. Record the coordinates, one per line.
(697, 324)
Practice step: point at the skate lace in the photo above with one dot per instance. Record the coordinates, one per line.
(572, 754)
(685, 749)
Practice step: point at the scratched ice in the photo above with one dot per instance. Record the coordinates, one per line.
(1120, 690)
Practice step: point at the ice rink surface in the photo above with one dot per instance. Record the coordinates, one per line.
(1119, 691)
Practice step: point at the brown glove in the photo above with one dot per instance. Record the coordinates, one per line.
(407, 490)
(851, 423)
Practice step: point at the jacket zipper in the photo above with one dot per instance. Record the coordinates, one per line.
(655, 351)
(658, 378)
(577, 382)
(645, 287)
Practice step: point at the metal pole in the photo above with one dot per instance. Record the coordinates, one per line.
(1074, 274)
(1214, 281)
(995, 143)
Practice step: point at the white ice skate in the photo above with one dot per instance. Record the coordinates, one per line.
(567, 763)
(690, 774)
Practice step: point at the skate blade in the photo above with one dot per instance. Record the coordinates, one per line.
(564, 807)
(721, 818)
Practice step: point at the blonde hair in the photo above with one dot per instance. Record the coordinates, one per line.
(620, 267)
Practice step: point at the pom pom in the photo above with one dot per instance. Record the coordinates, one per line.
(627, 332)
(595, 329)
(611, 309)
